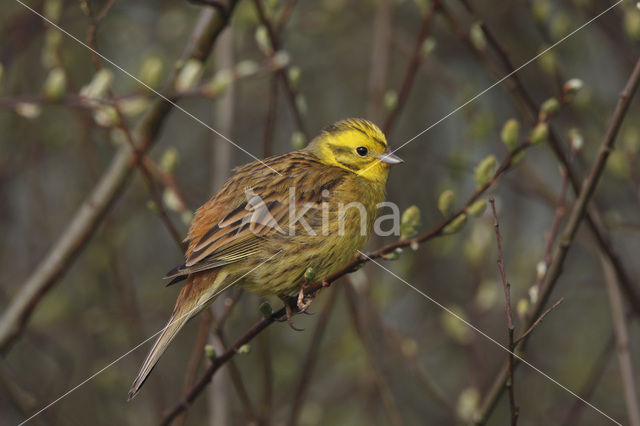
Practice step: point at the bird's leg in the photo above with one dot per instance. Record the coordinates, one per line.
(290, 310)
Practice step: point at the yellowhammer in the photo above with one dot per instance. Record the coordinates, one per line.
(274, 219)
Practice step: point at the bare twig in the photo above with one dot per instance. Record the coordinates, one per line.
(622, 343)
(307, 367)
(108, 189)
(435, 232)
(412, 68)
(538, 321)
(513, 408)
(592, 215)
(282, 72)
(594, 376)
(577, 214)
(383, 388)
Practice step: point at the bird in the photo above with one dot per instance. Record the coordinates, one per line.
(277, 218)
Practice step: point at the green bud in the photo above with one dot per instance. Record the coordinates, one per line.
(209, 352)
(533, 294)
(186, 217)
(522, 307)
(510, 133)
(169, 160)
(189, 75)
(541, 10)
(294, 74)
(539, 134)
(485, 170)
(134, 105)
(618, 164)
(632, 23)
(151, 205)
(301, 103)
(476, 35)
(52, 40)
(410, 222)
(246, 68)
(455, 328)
(548, 61)
(298, 140)
(266, 309)
(280, 60)
(428, 46)
(477, 208)
(541, 269)
(390, 100)
(487, 295)
(549, 107)
(575, 139)
(52, 9)
(570, 87)
(445, 202)
(263, 41)
(171, 200)
(631, 139)
(99, 84)
(219, 83)
(310, 275)
(106, 116)
(560, 26)
(393, 255)
(467, 405)
(409, 348)
(455, 225)
(55, 85)
(517, 158)
(28, 110)
(244, 349)
(151, 71)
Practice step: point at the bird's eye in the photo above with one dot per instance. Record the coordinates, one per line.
(362, 151)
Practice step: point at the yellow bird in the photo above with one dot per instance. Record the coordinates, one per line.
(274, 219)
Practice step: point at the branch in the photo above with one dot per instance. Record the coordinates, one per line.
(622, 343)
(507, 299)
(354, 265)
(282, 72)
(306, 370)
(104, 194)
(578, 212)
(592, 215)
(412, 68)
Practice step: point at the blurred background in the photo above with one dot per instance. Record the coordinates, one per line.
(376, 351)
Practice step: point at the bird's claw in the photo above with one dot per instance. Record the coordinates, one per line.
(289, 306)
(304, 301)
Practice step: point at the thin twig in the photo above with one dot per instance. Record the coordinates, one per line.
(307, 366)
(578, 212)
(592, 215)
(538, 321)
(355, 264)
(412, 68)
(622, 343)
(282, 72)
(513, 408)
(109, 188)
(383, 388)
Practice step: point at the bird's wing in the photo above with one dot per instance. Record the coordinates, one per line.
(254, 204)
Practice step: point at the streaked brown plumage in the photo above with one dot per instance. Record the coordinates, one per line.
(244, 234)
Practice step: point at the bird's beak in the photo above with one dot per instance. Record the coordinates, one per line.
(390, 158)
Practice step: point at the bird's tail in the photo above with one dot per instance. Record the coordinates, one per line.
(196, 294)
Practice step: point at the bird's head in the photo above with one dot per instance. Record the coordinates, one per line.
(356, 145)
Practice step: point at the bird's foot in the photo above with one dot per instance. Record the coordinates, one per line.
(290, 308)
(304, 301)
